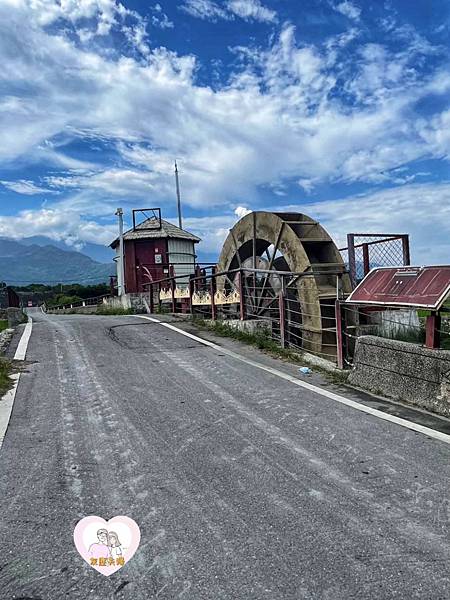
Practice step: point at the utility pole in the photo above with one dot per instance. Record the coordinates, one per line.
(180, 222)
(120, 271)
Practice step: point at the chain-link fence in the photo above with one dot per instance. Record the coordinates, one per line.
(365, 251)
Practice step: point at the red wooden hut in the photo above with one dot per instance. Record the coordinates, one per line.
(155, 249)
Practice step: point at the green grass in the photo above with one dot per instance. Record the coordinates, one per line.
(114, 311)
(6, 370)
(445, 327)
(260, 340)
(445, 330)
(417, 336)
(162, 309)
(3, 324)
(445, 343)
(414, 336)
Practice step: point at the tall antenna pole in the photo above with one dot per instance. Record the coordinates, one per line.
(121, 270)
(180, 222)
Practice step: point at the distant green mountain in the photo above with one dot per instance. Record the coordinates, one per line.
(98, 252)
(21, 264)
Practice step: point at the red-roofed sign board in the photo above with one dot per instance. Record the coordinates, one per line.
(421, 287)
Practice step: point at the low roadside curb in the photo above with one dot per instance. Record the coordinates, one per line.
(7, 401)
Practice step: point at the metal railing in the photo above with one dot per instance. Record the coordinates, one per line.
(273, 299)
(268, 296)
(94, 301)
(407, 325)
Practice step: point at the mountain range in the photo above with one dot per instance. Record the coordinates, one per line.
(97, 252)
(32, 260)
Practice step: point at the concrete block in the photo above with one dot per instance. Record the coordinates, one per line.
(250, 326)
(403, 371)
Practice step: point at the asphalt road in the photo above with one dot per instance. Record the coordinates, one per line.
(244, 485)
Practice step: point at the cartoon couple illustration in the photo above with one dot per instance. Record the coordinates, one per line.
(108, 545)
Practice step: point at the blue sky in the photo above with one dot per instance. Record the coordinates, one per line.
(340, 109)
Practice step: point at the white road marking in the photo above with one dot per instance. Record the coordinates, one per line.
(438, 435)
(21, 350)
(7, 402)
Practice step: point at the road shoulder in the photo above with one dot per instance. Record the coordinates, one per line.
(321, 380)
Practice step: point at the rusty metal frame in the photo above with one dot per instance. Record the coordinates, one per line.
(156, 214)
(384, 238)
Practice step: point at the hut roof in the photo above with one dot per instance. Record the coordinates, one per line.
(149, 229)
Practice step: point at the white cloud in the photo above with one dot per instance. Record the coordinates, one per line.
(306, 184)
(137, 36)
(113, 182)
(280, 117)
(436, 133)
(281, 96)
(241, 211)
(205, 9)
(58, 224)
(212, 230)
(349, 9)
(422, 210)
(23, 186)
(252, 10)
(249, 10)
(105, 14)
(162, 21)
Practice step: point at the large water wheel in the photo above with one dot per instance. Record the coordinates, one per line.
(292, 242)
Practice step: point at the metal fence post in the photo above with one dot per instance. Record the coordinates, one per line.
(432, 334)
(339, 336)
(405, 249)
(241, 297)
(152, 299)
(197, 281)
(212, 291)
(191, 293)
(282, 314)
(366, 259)
(172, 289)
(351, 257)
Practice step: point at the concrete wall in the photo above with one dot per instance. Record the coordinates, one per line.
(397, 322)
(117, 302)
(137, 302)
(403, 371)
(14, 316)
